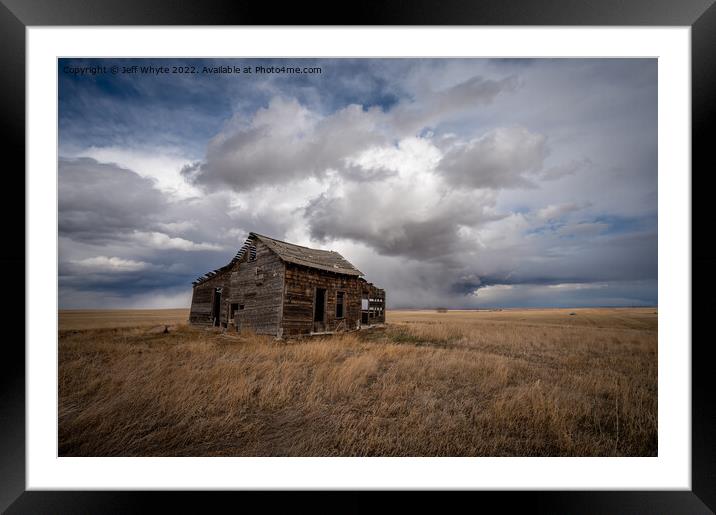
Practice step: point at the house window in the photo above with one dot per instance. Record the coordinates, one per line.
(252, 253)
(339, 304)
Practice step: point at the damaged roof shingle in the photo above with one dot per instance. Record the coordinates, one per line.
(327, 260)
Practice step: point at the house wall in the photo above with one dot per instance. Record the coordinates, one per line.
(298, 302)
(375, 314)
(202, 299)
(258, 287)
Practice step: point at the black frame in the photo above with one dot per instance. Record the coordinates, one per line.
(16, 15)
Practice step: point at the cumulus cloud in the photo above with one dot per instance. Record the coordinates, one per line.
(287, 141)
(413, 213)
(283, 142)
(408, 157)
(160, 240)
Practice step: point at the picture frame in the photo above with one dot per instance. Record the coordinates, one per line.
(700, 15)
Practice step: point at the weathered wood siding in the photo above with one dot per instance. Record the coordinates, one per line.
(202, 299)
(258, 287)
(299, 296)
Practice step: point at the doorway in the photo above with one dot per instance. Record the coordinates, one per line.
(216, 308)
(319, 311)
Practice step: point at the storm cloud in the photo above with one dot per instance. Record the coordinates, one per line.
(450, 182)
(498, 159)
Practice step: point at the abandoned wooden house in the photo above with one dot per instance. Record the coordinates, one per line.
(278, 288)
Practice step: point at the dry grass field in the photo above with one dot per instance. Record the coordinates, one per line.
(502, 383)
(102, 319)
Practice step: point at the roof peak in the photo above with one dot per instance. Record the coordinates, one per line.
(287, 242)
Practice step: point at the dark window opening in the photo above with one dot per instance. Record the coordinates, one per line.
(241, 306)
(252, 253)
(319, 312)
(339, 304)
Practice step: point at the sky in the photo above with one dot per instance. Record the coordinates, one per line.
(456, 183)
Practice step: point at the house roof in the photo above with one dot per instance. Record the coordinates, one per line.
(327, 260)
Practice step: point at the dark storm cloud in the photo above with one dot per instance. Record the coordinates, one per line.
(418, 240)
(98, 200)
(118, 233)
(499, 159)
(605, 259)
(386, 224)
(102, 202)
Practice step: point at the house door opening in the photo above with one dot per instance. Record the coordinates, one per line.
(319, 311)
(364, 305)
(216, 308)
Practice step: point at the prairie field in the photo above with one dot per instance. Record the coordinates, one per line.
(533, 382)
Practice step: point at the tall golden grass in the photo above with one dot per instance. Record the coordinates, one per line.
(508, 383)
